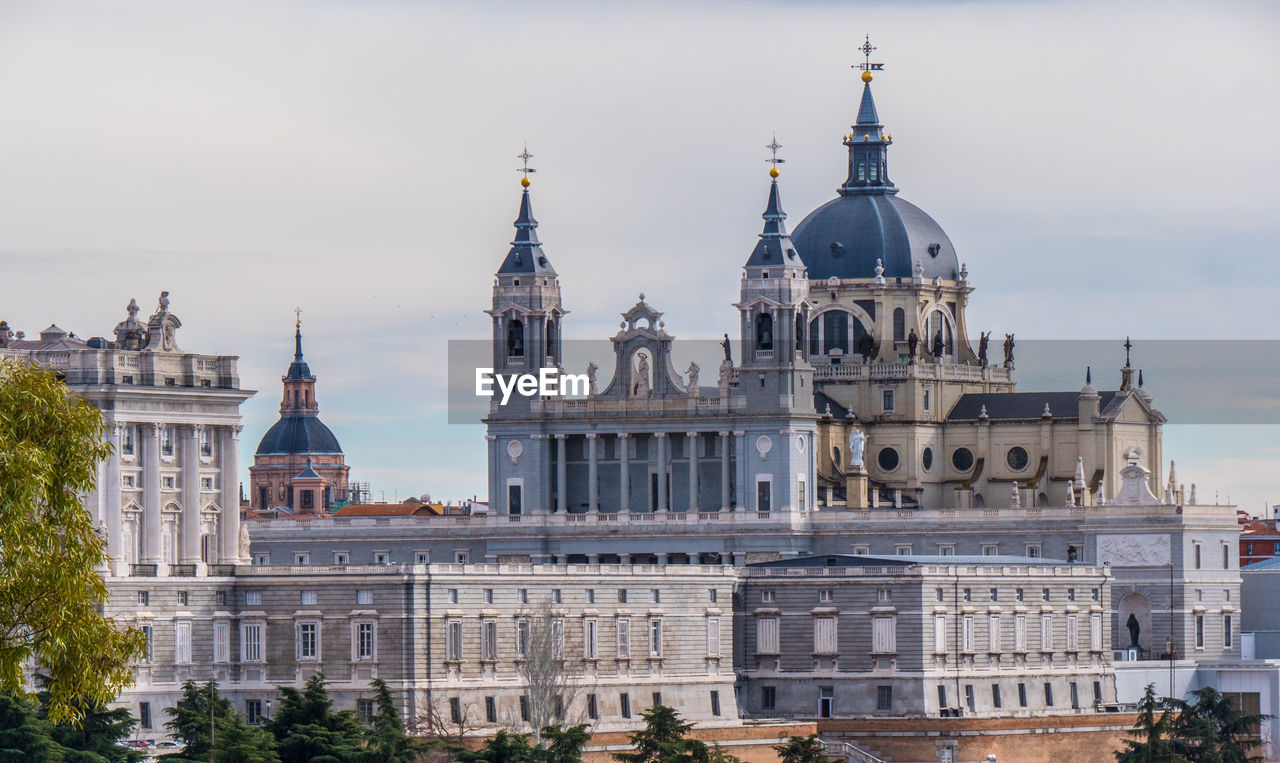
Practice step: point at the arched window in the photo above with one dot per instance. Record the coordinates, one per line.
(835, 332)
(899, 325)
(764, 331)
(799, 332)
(814, 347)
(862, 171)
(515, 338)
(551, 337)
(938, 323)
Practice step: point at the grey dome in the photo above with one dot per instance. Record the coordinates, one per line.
(299, 434)
(845, 237)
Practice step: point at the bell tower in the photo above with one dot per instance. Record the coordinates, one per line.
(526, 307)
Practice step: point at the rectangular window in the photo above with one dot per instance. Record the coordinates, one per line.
(589, 596)
(1017, 594)
(422, 557)
(1073, 633)
(993, 594)
(1095, 632)
(556, 598)
(127, 480)
(308, 597)
(1044, 594)
(768, 697)
(182, 642)
(990, 549)
(1020, 633)
(1226, 631)
(453, 640)
(1048, 694)
(557, 637)
(824, 595)
(824, 635)
(968, 698)
(1199, 631)
(593, 709)
(364, 597)
(489, 639)
(1196, 549)
(713, 636)
(455, 710)
(453, 596)
(1075, 696)
(655, 638)
(657, 698)
(522, 638)
(622, 596)
(887, 399)
(767, 635)
(491, 709)
(251, 642)
(764, 495)
(967, 594)
(144, 714)
(182, 598)
(524, 708)
(1033, 550)
(940, 634)
(589, 639)
(995, 696)
(167, 483)
(1046, 632)
(766, 597)
(126, 433)
(826, 701)
(966, 634)
(993, 633)
(221, 642)
(253, 711)
(884, 698)
(624, 637)
(1097, 692)
(884, 595)
(715, 703)
(307, 641)
(1071, 594)
(380, 557)
(946, 549)
(942, 697)
(364, 641)
(884, 635)
(1094, 594)
(655, 596)
(252, 598)
(488, 596)
(926, 399)
(1022, 695)
(711, 594)
(144, 598)
(522, 596)
(624, 705)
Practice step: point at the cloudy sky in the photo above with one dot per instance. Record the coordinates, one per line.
(1105, 169)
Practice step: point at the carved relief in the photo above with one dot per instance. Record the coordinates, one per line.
(1134, 550)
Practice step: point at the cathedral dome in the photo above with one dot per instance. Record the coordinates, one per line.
(298, 434)
(844, 238)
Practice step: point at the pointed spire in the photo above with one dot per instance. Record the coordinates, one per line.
(868, 143)
(775, 247)
(298, 369)
(526, 255)
(867, 116)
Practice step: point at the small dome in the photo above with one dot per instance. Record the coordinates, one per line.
(844, 238)
(298, 434)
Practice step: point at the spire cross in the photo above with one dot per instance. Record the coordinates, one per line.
(773, 147)
(867, 48)
(524, 156)
(1127, 346)
(297, 317)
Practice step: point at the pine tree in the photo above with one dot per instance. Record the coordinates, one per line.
(1211, 729)
(565, 745)
(504, 747)
(1151, 731)
(24, 734)
(801, 750)
(97, 737)
(663, 740)
(387, 741)
(308, 731)
(232, 739)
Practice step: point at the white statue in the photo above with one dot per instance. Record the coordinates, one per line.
(1015, 499)
(1099, 499)
(243, 545)
(641, 386)
(857, 439)
(726, 376)
(591, 378)
(693, 377)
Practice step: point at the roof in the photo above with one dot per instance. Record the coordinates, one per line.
(298, 432)
(386, 510)
(1022, 405)
(1269, 564)
(822, 403)
(846, 236)
(526, 255)
(774, 247)
(864, 560)
(298, 369)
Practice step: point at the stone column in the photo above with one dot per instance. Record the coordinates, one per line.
(740, 479)
(662, 558)
(624, 471)
(229, 482)
(562, 476)
(190, 553)
(593, 473)
(152, 551)
(693, 469)
(661, 441)
(111, 492)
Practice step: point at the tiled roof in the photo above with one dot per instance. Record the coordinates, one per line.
(386, 510)
(1022, 405)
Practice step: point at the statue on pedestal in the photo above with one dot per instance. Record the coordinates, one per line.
(728, 350)
(1008, 350)
(857, 441)
(983, 339)
(1134, 629)
(693, 378)
(913, 341)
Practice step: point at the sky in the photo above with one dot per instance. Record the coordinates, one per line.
(1104, 169)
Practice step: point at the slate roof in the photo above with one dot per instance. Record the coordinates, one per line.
(864, 560)
(1023, 405)
(821, 401)
(526, 255)
(298, 433)
(1268, 564)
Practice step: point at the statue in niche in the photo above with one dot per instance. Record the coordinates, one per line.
(1072, 554)
(1134, 629)
(983, 339)
(1008, 350)
(591, 378)
(728, 351)
(693, 377)
(937, 345)
(913, 342)
(641, 388)
(866, 347)
(857, 442)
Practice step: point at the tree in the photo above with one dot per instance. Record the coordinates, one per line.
(1151, 731)
(565, 745)
(233, 741)
(387, 740)
(307, 729)
(1211, 729)
(24, 735)
(801, 750)
(97, 736)
(551, 679)
(663, 740)
(50, 591)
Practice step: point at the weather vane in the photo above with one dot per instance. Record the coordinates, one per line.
(1127, 346)
(773, 147)
(867, 48)
(297, 317)
(524, 156)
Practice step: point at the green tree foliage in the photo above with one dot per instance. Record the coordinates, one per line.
(387, 741)
(50, 590)
(1151, 732)
(1211, 729)
(24, 735)
(663, 740)
(801, 750)
(562, 746)
(96, 738)
(307, 730)
(233, 741)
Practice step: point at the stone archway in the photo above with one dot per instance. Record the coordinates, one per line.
(1137, 605)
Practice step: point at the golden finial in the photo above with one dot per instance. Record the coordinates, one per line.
(524, 182)
(866, 76)
(297, 317)
(773, 172)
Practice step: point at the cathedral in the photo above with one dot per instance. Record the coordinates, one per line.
(858, 386)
